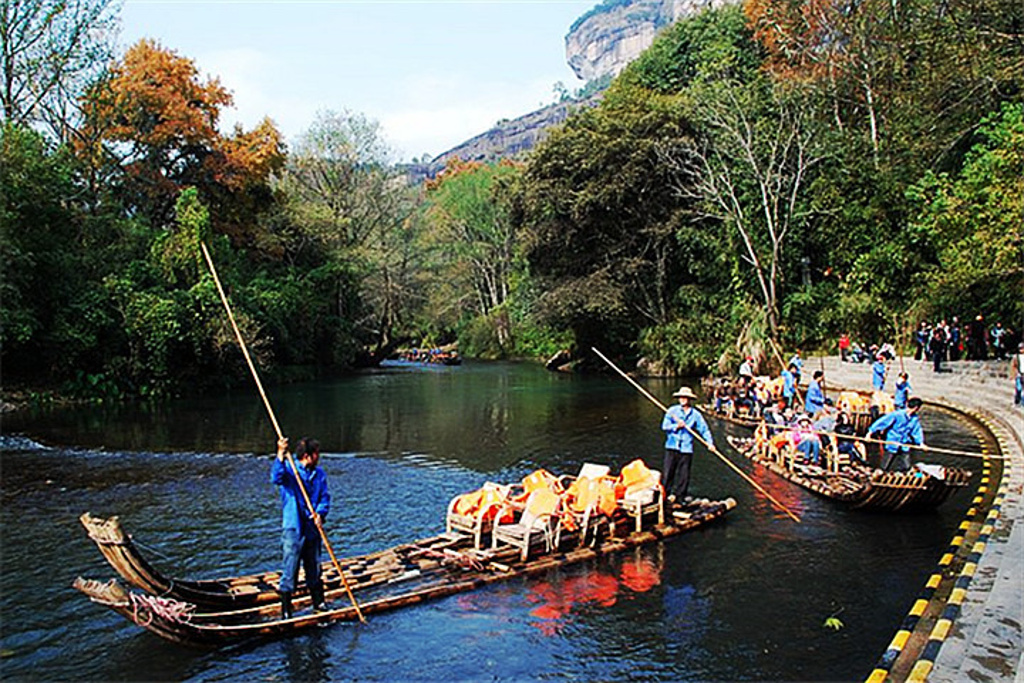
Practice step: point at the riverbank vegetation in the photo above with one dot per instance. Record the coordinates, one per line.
(783, 171)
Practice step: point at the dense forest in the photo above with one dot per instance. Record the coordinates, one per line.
(776, 171)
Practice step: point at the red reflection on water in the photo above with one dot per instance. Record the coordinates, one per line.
(640, 574)
(787, 493)
(556, 601)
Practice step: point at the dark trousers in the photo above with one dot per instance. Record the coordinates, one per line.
(300, 547)
(675, 472)
(898, 461)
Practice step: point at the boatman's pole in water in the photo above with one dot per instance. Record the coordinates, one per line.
(697, 436)
(273, 419)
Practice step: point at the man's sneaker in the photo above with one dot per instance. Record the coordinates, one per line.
(321, 607)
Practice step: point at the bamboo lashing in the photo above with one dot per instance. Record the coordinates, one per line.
(710, 447)
(277, 428)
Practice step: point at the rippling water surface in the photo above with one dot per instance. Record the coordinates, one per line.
(743, 599)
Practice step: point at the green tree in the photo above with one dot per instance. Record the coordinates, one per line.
(50, 50)
(975, 219)
(347, 207)
(472, 244)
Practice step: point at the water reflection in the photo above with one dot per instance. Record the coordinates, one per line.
(742, 599)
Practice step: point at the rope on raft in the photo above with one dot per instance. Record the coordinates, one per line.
(167, 609)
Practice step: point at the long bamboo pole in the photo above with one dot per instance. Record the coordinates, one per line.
(710, 447)
(921, 447)
(280, 436)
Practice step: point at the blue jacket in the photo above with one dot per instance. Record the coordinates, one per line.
(903, 428)
(815, 399)
(878, 375)
(902, 394)
(294, 512)
(788, 384)
(680, 438)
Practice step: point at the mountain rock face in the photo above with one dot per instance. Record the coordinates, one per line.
(601, 42)
(508, 139)
(610, 36)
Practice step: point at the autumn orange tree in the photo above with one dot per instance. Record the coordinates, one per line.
(151, 124)
(896, 68)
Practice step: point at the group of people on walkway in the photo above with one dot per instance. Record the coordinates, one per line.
(976, 340)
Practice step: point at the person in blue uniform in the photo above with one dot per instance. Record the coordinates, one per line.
(815, 399)
(679, 424)
(300, 532)
(789, 383)
(878, 370)
(901, 429)
(903, 390)
(797, 365)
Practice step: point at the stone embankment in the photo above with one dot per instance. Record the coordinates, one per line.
(985, 642)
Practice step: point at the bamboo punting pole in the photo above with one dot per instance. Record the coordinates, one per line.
(277, 428)
(921, 447)
(710, 447)
(824, 391)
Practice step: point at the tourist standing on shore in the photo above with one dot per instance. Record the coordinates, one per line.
(921, 337)
(1016, 370)
(937, 348)
(878, 370)
(955, 338)
(998, 336)
(844, 347)
(978, 343)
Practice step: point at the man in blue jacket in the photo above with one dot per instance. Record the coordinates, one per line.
(300, 533)
(680, 423)
(878, 372)
(901, 428)
(815, 399)
(903, 390)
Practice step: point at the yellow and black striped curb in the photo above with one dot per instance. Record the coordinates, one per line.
(951, 610)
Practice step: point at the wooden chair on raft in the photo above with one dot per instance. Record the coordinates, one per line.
(474, 513)
(589, 502)
(540, 523)
(643, 494)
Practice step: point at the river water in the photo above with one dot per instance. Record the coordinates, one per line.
(745, 598)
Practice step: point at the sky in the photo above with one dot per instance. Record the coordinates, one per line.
(433, 73)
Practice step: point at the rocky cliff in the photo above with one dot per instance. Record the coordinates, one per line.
(600, 43)
(507, 139)
(610, 36)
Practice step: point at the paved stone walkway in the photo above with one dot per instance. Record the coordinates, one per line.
(986, 642)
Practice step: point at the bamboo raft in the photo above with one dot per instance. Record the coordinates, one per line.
(215, 613)
(855, 484)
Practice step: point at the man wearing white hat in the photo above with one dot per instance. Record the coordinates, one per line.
(680, 423)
